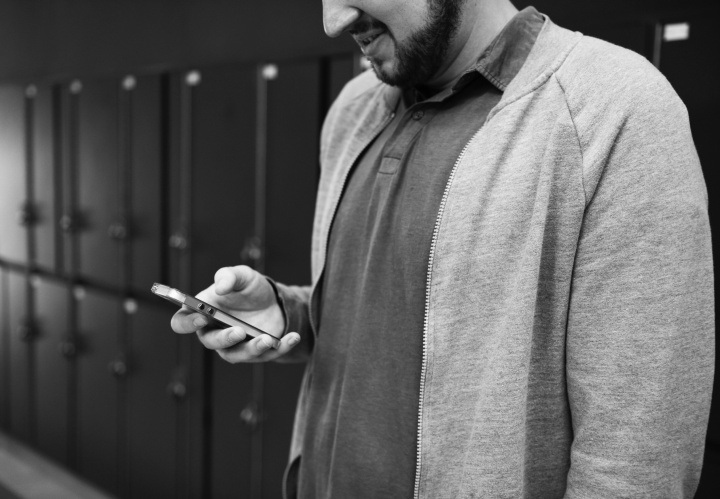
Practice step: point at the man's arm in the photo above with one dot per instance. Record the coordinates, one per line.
(640, 341)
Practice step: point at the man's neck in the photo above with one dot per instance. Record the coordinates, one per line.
(482, 21)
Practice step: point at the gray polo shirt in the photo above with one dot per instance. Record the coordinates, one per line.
(363, 395)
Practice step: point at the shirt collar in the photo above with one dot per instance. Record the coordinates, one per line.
(506, 54)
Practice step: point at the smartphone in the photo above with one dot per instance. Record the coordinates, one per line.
(213, 313)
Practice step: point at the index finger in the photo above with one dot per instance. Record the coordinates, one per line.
(186, 321)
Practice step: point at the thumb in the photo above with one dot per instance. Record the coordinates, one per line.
(233, 279)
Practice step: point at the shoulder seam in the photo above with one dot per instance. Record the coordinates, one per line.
(577, 135)
(541, 79)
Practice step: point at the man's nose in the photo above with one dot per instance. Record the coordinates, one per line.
(338, 16)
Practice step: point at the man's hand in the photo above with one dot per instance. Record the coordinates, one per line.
(245, 293)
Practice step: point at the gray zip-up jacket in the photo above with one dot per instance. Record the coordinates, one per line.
(569, 322)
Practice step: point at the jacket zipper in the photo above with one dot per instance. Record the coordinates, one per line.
(423, 370)
(374, 136)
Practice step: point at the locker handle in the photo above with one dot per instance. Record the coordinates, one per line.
(118, 367)
(67, 223)
(177, 390)
(251, 416)
(252, 252)
(25, 215)
(178, 241)
(67, 349)
(26, 332)
(118, 232)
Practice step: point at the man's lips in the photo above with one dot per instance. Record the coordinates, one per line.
(366, 39)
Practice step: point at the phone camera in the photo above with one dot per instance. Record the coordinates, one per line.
(201, 306)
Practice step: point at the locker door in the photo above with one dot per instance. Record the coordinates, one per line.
(21, 357)
(222, 169)
(155, 388)
(293, 127)
(144, 176)
(98, 180)
(223, 166)
(232, 427)
(55, 349)
(99, 366)
(14, 214)
(44, 178)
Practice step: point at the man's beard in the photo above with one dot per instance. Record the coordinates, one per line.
(420, 57)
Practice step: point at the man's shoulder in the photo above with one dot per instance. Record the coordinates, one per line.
(599, 70)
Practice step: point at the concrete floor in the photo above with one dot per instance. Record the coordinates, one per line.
(25, 474)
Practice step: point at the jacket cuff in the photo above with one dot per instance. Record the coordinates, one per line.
(294, 303)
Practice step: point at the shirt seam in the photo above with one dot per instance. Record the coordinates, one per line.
(577, 137)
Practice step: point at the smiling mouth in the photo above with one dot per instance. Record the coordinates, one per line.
(365, 38)
(364, 42)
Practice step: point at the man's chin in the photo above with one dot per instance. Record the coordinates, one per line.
(387, 75)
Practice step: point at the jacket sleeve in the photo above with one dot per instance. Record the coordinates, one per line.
(294, 302)
(640, 338)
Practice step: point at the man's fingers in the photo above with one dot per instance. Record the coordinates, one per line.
(185, 321)
(261, 349)
(221, 339)
(287, 343)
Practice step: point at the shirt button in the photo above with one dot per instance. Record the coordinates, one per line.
(418, 114)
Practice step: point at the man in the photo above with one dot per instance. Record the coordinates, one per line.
(512, 273)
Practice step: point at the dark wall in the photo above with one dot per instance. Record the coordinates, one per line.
(42, 38)
(39, 38)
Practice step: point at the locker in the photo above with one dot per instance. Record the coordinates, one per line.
(144, 174)
(70, 222)
(20, 337)
(53, 370)
(293, 126)
(233, 422)
(98, 180)
(100, 368)
(156, 388)
(15, 215)
(221, 115)
(178, 90)
(222, 202)
(44, 149)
